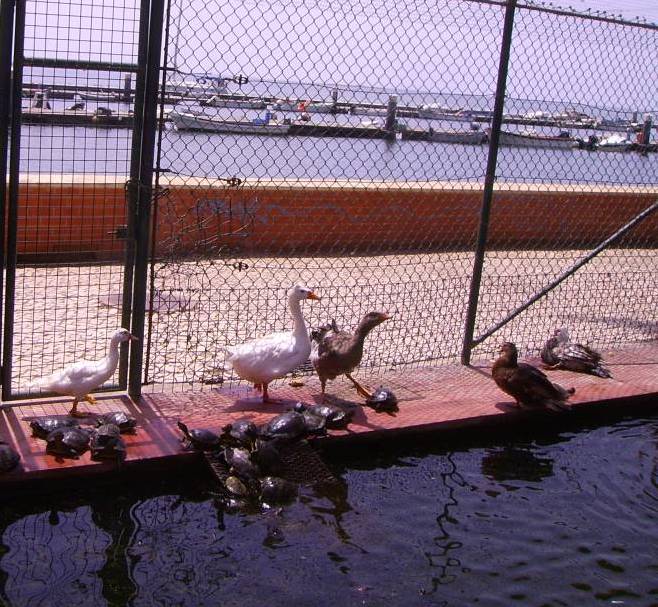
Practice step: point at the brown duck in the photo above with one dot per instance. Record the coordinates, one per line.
(526, 384)
(340, 352)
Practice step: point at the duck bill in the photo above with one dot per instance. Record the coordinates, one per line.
(312, 295)
(133, 337)
(387, 316)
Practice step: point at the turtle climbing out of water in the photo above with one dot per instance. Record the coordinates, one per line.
(383, 400)
(125, 422)
(106, 443)
(68, 442)
(267, 457)
(239, 462)
(200, 439)
(42, 427)
(275, 490)
(8, 457)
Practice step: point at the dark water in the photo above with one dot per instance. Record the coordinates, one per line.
(559, 519)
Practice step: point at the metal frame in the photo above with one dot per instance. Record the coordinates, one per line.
(12, 213)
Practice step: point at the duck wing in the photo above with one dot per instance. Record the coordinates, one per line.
(535, 389)
(581, 358)
(338, 353)
(75, 374)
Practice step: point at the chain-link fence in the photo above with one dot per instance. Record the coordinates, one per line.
(344, 145)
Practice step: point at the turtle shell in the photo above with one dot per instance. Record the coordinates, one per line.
(8, 457)
(125, 422)
(201, 438)
(315, 424)
(41, 428)
(275, 490)
(236, 487)
(335, 416)
(267, 457)
(67, 442)
(383, 399)
(242, 432)
(106, 443)
(287, 426)
(239, 461)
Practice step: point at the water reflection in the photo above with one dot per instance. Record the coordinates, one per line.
(514, 464)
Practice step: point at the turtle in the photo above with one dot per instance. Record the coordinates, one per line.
(287, 426)
(335, 417)
(106, 443)
(8, 457)
(236, 487)
(200, 439)
(239, 462)
(315, 424)
(68, 442)
(383, 400)
(125, 422)
(241, 433)
(275, 490)
(41, 428)
(267, 457)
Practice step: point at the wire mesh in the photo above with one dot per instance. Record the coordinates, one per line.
(76, 119)
(343, 145)
(580, 96)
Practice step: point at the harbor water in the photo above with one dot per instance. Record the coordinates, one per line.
(557, 518)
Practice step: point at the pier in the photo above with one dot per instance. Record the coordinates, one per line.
(448, 399)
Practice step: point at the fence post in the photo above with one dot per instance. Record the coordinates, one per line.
(12, 198)
(489, 181)
(144, 192)
(6, 45)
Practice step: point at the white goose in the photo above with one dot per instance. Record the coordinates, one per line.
(277, 354)
(80, 378)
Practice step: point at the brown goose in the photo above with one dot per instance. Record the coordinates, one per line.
(340, 352)
(526, 384)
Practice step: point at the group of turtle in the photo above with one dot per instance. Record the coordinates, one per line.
(66, 438)
(253, 457)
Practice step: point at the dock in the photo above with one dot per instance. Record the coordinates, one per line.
(447, 399)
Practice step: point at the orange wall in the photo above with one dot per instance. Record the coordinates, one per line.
(73, 221)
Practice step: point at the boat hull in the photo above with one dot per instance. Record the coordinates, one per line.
(191, 122)
(537, 141)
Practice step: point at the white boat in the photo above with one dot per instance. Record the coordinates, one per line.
(467, 137)
(614, 143)
(197, 85)
(564, 141)
(187, 121)
(434, 110)
(234, 101)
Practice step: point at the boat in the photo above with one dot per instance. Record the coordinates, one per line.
(614, 143)
(563, 141)
(188, 121)
(196, 85)
(434, 110)
(234, 101)
(466, 137)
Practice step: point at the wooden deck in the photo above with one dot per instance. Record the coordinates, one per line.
(449, 397)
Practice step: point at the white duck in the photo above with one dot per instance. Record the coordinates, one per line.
(80, 378)
(277, 354)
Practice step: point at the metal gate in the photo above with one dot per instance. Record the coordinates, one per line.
(71, 113)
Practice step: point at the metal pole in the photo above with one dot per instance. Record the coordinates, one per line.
(6, 44)
(144, 195)
(489, 182)
(12, 214)
(132, 185)
(572, 270)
